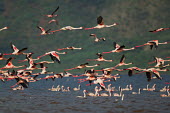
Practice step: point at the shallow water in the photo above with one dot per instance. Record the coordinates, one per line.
(37, 98)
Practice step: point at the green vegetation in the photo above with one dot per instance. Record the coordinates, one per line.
(135, 19)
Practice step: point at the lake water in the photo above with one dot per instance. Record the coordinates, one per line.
(38, 99)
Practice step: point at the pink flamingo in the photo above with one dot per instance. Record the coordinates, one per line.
(4, 28)
(54, 55)
(53, 13)
(100, 24)
(16, 51)
(97, 39)
(9, 64)
(82, 66)
(67, 28)
(158, 30)
(152, 43)
(100, 58)
(71, 48)
(122, 61)
(53, 20)
(2, 57)
(119, 48)
(43, 31)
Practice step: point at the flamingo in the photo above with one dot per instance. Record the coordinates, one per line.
(71, 48)
(53, 13)
(68, 28)
(100, 58)
(54, 55)
(164, 95)
(16, 51)
(152, 88)
(154, 71)
(122, 62)
(77, 88)
(147, 87)
(22, 82)
(119, 48)
(28, 58)
(4, 28)
(97, 39)
(82, 66)
(84, 94)
(100, 24)
(9, 64)
(2, 57)
(139, 91)
(43, 31)
(159, 62)
(131, 70)
(158, 30)
(53, 20)
(152, 43)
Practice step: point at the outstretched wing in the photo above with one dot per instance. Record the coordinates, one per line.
(122, 59)
(55, 10)
(100, 20)
(55, 57)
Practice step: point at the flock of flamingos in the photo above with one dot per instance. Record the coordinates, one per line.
(23, 74)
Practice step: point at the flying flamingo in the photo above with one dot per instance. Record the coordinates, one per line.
(54, 55)
(22, 82)
(100, 24)
(53, 13)
(3, 28)
(9, 64)
(71, 48)
(100, 58)
(68, 28)
(28, 58)
(43, 31)
(158, 30)
(2, 57)
(97, 39)
(119, 48)
(131, 70)
(152, 43)
(82, 66)
(16, 51)
(53, 20)
(159, 62)
(122, 61)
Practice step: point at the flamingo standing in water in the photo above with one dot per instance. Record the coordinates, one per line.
(16, 51)
(119, 48)
(100, 24)
(158, 30)
(152, 43)
(53, 13)
(43, 31)
(100, 58)
(54, 55)
(97, 39)
(71, 48)
(3, 28)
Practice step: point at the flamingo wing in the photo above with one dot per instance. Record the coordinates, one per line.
(157, 74)
(122, 59)
(55, 57)
(149, 75)
(22, 50)
(100, 20)
(14, 47)
(55, 10)
(116, 45)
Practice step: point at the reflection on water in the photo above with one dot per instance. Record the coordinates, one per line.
(37, 98)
